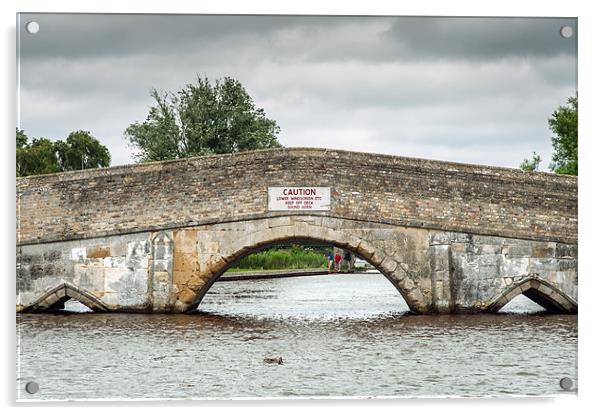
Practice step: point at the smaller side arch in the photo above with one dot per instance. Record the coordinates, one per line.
(55, 298)
(541, 292)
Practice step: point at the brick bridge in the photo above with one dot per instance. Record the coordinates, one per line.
(154, 237)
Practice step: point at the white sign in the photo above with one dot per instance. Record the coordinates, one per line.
(298, 198)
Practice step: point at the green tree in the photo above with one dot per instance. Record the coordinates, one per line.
(564, 125)
(202, 119)
(531, 165)
(21, 138)
(42, 156)
(81, 151)
(37, 157)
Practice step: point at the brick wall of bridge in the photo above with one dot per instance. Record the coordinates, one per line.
(367, 187)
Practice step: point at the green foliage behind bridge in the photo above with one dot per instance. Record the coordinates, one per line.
(203, 118)
(283, 257)
(41, 156)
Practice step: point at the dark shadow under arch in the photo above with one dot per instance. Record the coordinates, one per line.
(56, 298)
(539, 291)
(243, 252)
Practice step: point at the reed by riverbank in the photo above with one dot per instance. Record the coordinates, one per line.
(283, 258)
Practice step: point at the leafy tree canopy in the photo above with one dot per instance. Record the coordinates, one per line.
(40, 156)
(531, 165)
(564, 125)
(81, 151)
(21, 138)
(201, 119)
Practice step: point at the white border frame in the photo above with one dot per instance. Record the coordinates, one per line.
(589, 97)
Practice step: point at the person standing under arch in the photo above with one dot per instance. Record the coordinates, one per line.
(348, 260)
(330, 261)
(337, 262)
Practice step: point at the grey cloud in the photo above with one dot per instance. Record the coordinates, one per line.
(78, 36)
(300, 38)
(406, 86)
(363, 84)
(482, 38)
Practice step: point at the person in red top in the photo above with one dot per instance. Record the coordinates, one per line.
(337, 261)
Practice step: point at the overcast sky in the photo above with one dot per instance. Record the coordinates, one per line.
(476, 90)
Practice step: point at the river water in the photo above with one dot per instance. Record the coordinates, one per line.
(338, 335)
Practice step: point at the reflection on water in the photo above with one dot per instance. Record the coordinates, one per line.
(343, 335)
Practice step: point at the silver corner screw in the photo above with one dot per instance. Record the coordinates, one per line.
(566, 32)
(32, 387)
(32, 27)
(566, 383)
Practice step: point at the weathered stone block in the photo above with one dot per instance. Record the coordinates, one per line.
(186, 295)
(49, 300)
(217, 264)
(306, 219)
(365, 250)
(119, 249)
(545, 289)
(184, 263)
(114, 262)
(543, 250)
(380, 234)
(116, 279)
(388, 265)
(29, 259)
(566, 279)
(440, 276)
(518, 250)
(280, 221)
(377, 258)
(208, 247)
(542, 265)
(485, 240)
(566, 250)
(440, 257)
(62, 293)
(299, 229)
(162, 265)
(161, 277)
(567, 264)
(514, 266)
(137, 254)
(185, 240)
(78, 254)
(489, 249)
(440, 238)
(98, 252)
(458, 247)
(516, 291)
(52, 255)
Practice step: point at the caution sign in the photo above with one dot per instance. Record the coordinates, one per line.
(298, 198)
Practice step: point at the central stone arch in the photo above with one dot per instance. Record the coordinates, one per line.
(219, 249)
(384, 269)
